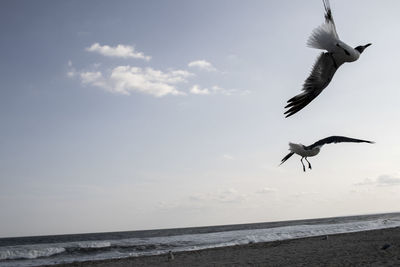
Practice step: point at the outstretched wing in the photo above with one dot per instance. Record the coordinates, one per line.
(321, 75)
(329, 17)
(325, 37)
(337, 139)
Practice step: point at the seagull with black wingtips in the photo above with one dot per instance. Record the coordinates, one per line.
(337, 52)
(314, 149)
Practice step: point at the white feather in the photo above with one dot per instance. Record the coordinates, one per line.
(324, 37)
(300, 150)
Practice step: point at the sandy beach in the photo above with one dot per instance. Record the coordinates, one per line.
(369, 248)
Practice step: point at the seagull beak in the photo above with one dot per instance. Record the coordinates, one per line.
(365, 46)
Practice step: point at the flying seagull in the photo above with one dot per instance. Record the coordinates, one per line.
(326, 38)
(314, 149)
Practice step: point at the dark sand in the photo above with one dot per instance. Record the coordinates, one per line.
(351, 249)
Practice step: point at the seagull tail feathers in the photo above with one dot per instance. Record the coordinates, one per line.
(323, 37)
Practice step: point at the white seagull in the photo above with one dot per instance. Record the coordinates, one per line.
(314, 149)
(326, 38)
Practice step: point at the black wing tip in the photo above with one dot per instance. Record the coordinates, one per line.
(295, 104)
(291, 111)
(328, 11)
(286, 158)
(287, 114)
(328, 15)
(295, 107)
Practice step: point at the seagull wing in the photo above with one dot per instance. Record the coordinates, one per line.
(329, 17)
(286, 158)
(321, 75)
(325, 37)
(337, 139)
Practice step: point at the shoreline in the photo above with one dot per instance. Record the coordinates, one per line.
(366, 248)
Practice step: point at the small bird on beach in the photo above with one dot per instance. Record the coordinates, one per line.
(326, 38)
(314, 149)
(170, 256)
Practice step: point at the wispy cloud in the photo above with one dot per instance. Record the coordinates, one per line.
(71, 70)
(230, 195)
(303, 194)
(121, 51)
(219, 90)
(266, 190)
(94, 78)
(202, 65)
(228, 157)
(214, 90)
(127, 79)
(196, 90)
(382, 180)
(205, 200)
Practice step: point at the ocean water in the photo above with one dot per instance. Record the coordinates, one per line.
(40, 250)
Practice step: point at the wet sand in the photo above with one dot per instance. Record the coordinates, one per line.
(369, 248)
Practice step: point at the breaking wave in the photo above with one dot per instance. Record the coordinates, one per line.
(105, 249)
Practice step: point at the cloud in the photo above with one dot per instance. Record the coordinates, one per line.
(71, 70)
(367, 181)
(266, 190)
(121, 51)
(202, 65)
(230, 195)
(127, 79)
(228, 157)
(219, 90)
(71, 73)
(196, 90)
(205, 200)
(93, 78)
(382, 180)
(149, 81)
(303, 194)
(387, 180)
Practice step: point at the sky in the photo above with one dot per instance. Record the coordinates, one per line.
(131, 115)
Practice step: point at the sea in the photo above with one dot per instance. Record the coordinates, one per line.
(56, 249)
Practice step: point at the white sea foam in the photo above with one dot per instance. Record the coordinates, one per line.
(229, 238)
(95, 244)
(11, 253)
(105, 249)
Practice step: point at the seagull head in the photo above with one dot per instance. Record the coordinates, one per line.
(361, 48)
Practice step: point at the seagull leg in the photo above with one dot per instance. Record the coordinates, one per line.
(309, 164)
(304, 167)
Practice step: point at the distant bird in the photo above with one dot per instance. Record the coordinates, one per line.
(326, 38)
(170, 256)
(314, 149)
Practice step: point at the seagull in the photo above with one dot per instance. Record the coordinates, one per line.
(337, 52)
(314, 149)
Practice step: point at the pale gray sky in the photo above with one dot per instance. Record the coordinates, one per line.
(131, 115)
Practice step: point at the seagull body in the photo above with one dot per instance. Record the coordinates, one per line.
(314, 149)
(337, 53)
